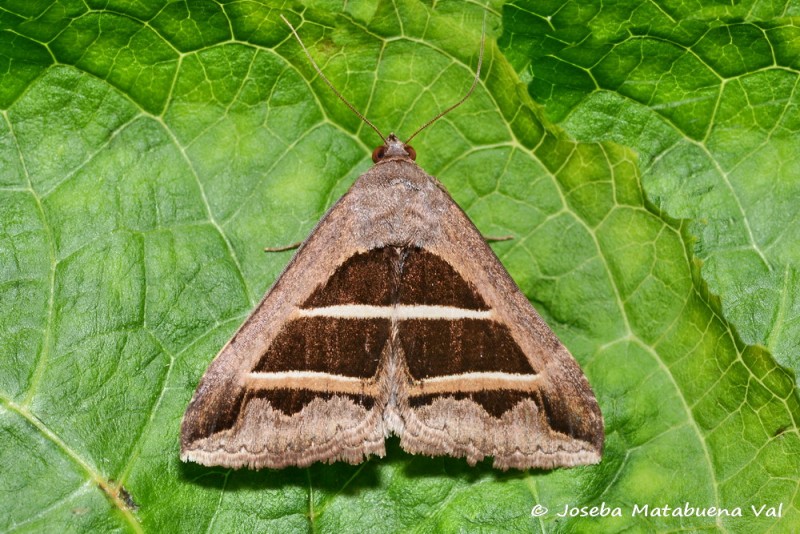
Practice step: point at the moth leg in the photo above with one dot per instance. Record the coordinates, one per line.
(283, 248)
(496, 238)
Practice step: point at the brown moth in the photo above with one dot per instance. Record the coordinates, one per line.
(393, 317)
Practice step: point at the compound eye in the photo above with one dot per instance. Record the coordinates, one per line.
(411, 152)
(378, 153)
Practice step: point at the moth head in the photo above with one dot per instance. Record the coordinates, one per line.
(393, 147)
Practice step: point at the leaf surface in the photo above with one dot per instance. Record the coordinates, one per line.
(151, 151)
(707, 97)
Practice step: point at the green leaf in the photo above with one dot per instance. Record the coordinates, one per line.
(707, 97)
(150, 151)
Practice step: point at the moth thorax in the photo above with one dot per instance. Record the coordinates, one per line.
(393, 147)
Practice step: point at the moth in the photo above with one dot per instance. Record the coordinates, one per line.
(393, 317)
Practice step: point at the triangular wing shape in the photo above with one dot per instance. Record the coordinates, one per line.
(393, 317)
(289, 389)
(497, 383)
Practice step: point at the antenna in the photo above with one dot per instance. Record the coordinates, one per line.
(466, 96)
(366, 120)
(325, 79)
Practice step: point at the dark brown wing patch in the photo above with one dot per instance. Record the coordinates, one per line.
(364, 278)
(495, 402)
(439, 347)
(342, 346)
(291, 401)
(428, 279)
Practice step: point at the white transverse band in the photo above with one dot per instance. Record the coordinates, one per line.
(400, 311)
(476, 382)
(333, 383)
(312, 380)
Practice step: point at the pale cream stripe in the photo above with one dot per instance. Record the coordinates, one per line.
(400, 311)
(311, 380)
(473, 382)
